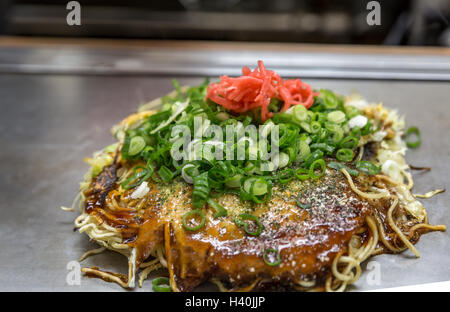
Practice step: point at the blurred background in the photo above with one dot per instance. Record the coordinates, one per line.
(403, 22)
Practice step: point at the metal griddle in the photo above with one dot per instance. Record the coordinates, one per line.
(52, 116)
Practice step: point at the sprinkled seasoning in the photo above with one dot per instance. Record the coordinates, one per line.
(301, 235)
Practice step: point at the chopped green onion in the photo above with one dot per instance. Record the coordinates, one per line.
(323, 134)
(161, 284)
(257, 185)
(312, 168)
(283, 159)
(303, 151)
(344, 154)
(292, 152)
(306, 126)
(338, 166)
(317, 154)
(367, 129)
(234, 181)
(137, 177)
(319, 117)
(286, 175)
(137, 144)
(188, 172)
(302, 174)
(300, 113)
(201, 190)
(409, 132)
(367, 167)
(257, 189)
(274, 105)
(250, 217)
(335, 132)
(125, 147)
(315, 127)
(349, 142)
(330, 100)
(250, 167)
(300, 204)
(192, 215)
(336, 117)
(165, 174)
(247, 120)
(220, 210)
(355, 132)
(323, 147)
(351, 111)
(267, 252)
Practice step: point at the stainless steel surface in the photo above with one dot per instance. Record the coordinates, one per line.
(179, 60)
(48, 123)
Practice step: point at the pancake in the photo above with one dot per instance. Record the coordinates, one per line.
(301, 233)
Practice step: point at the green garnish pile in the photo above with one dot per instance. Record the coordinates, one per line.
(309, 140)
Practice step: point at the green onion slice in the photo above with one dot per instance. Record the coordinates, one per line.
(409, 132)
(234, 181)
(367, 129)
(220, 210)
(201, 190)
(300, 113)
(255, 186)
(344, 154)
(302, 174)
(137, 177)
(367, 167)
(303, 151)
(355, 132)
(286, 175)
(258, 189)
(137, 144)
(283, 159)
(335, 132)
(317, 154)
(349, 142)
(240, 221)
(329, 149)
(315, 127)
(192, 215)
(336, 117)
(165, 174)
(338, 166)
(300, 204)
(352, 111)
(330, 100)
(161, 284)
(312, 168)
(270, 251)
(188, 171)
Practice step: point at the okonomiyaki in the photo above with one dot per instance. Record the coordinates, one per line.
(253, 183)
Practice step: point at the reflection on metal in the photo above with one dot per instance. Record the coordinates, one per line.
(214, 62)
